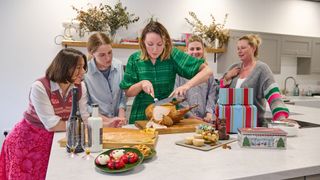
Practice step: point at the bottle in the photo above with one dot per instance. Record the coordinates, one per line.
(95, 130)
(75, 125)
(309, 92)
(296, 90)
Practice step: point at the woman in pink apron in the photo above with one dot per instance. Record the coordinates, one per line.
(26, 150)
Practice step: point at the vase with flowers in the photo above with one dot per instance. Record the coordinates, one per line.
(215, 35)
(104, 18)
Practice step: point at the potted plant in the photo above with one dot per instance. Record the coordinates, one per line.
(214, 35)
(104, 18)
(92, 19)
(119, 17)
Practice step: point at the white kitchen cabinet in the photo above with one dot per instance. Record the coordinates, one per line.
(269, 51)
(230, 56)
(315, 58)
(296, 46)
(313, 177)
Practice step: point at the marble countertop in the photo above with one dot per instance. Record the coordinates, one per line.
(301, 158)
(302, 98)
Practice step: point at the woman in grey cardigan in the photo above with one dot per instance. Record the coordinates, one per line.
(204, 94)
(257, 75)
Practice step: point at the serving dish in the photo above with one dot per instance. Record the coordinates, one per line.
(127, 167)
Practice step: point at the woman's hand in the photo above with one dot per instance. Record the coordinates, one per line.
(232, 73)
(180, 91)
(116, 122)
(147, 87)
(208, 118)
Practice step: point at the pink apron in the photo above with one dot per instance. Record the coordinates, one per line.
(31, 146)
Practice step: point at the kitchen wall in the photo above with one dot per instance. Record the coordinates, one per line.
(28, 29)
(306, 82)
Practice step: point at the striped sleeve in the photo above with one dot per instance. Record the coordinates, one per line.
(278, 108)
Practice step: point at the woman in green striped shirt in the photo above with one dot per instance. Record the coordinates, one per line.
(151, 71)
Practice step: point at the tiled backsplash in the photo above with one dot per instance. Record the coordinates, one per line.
(306, 82)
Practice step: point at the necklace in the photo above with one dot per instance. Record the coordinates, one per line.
(245, 71)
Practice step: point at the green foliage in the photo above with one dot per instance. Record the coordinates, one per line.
(105, 17)
(119, 17)
(209, 32)
(92, 19)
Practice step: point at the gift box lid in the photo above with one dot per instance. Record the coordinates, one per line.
(262, 131)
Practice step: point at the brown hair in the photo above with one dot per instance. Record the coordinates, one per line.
(64, 64)
(96, 40)
(254, 40)
(158, 28)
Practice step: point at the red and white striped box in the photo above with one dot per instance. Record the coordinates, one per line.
(236, 96)
(237, 116)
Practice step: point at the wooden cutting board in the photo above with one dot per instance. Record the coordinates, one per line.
(119, 137)
(206, 147)
(185, 126)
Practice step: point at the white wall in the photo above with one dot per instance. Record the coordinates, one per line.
(28, 29)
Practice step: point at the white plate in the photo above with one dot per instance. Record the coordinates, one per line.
(291, 130)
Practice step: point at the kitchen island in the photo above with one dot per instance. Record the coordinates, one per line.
(301, 158)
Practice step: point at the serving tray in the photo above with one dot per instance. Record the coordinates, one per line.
(206, 147)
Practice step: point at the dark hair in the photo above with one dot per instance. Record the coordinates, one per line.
(64, 64)
(96, 40)
(158, 28)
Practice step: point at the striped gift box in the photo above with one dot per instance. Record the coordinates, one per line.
(238, 116)
(232, 96)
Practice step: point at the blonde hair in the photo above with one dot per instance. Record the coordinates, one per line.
(196, 38)
(95, 41)
(254, 40)
(158, 28)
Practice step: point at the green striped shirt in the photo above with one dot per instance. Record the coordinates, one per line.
(162, 76)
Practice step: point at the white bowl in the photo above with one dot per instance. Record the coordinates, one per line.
(289, 128)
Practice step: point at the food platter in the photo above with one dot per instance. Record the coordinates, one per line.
(127, 167)
(147, 152)
(151, 155)
(206, 147)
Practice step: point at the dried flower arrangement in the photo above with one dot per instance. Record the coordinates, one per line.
(105, 18)
(210, 33)
(119, 17)
(93, 19)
